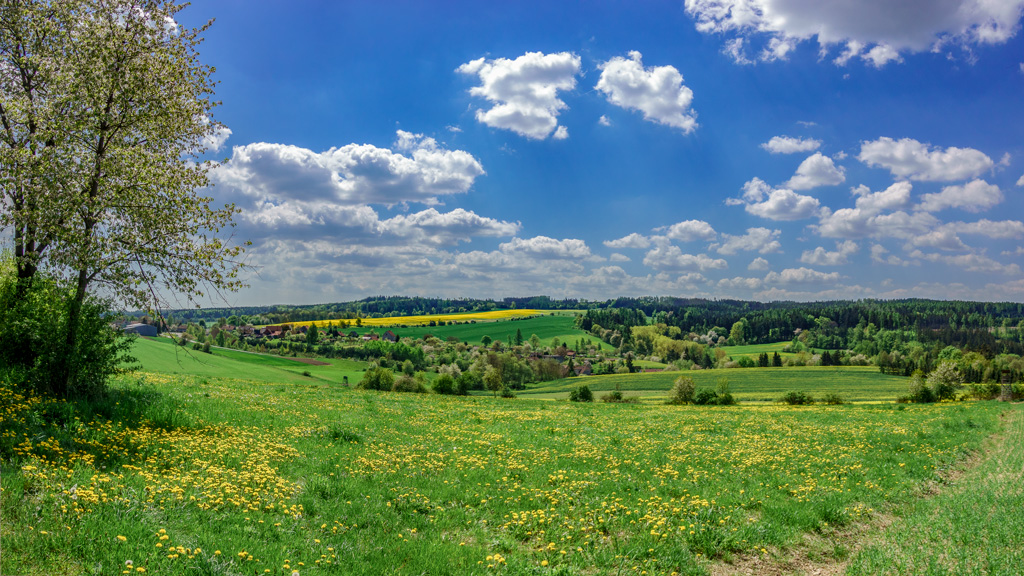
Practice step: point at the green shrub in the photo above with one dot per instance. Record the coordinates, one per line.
(507, 392)
(616, 397)
(797, 398)
(918, 389)
(377, 378)
(705, 397)
(581, 394)
(407, 383)
(682, 391)
(34, 351)
(444, 384)
(833, 399)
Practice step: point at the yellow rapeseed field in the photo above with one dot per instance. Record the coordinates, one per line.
(423, 320)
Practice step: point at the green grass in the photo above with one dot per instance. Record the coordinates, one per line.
(163, 356)
(202, 475)
(853, 383)
(754, 350)
(547, 328)
(974, 526)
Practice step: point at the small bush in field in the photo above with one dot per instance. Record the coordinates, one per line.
(581, 394)
(833, 399)
(797, 398)
(682, 391)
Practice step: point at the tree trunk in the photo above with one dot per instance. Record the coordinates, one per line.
(69, 364)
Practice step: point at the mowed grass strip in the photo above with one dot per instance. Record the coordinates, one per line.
(974, 526)
(852, 383)
(227, 476)
(162, 355)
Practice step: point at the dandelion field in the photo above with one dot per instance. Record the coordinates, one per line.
(186, 475)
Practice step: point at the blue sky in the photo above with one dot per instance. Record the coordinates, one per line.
(753, 149)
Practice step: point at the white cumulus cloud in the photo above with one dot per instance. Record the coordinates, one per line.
(658, 92)
(633, 240)
(758, 264)
(790, 145)
(822, 257)
(672, 258)
(783, 204)
(524, 91)
(690, 230)
(907, 158)
(888, 27)
(761, 240)
(354, 174)
(816, 170)
(974, 196)
(801, 276)
(545, 247)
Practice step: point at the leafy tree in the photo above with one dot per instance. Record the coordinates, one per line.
(519, 337)
(738, 333)
(534, 341)
(312, 335)
(105, 109)
(682, 391)
(377, 378)
(486, 340)
(444, 384)
(492, 380)
(944, 381)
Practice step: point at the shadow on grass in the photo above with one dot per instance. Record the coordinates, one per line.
(57, 429)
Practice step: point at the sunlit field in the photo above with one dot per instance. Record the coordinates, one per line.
(189, 475)
(489, 316)
(851, 383)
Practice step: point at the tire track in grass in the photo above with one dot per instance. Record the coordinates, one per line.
(973, 526)
(969, 523)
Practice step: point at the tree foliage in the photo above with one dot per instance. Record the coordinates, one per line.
(105, 110)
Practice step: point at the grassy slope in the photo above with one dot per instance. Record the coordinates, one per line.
(973, 526)
(546, 328)
(853, 383)
(162, 356)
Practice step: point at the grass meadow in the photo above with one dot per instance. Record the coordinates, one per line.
(852, 383)
(547, 328)
(185, 474)
(163, 356)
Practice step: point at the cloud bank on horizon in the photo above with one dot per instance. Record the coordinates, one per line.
(578, 168)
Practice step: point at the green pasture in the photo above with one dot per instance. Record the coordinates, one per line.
(754, 350)
(853, 383)
(547, 328)
(162, 355)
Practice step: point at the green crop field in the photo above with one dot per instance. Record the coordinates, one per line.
(202, 475)
(547, 328)
(853, 383)
(161, 355)
(753, 350)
